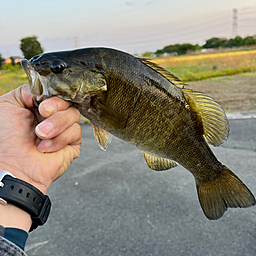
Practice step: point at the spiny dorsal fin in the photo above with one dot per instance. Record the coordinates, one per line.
(157, 163)
(102, 137)
(213, 117)
(167, 74)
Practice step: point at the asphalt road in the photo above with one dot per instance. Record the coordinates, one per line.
(110, 203)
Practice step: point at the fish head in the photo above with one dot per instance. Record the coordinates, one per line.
(65, 75)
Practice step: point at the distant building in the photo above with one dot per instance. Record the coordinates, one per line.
(17, 59)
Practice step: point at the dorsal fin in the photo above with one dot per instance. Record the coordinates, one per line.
(165, 73)
(213, 118)
(158, 163)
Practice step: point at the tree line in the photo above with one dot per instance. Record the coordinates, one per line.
(29, 46)
(214, 42)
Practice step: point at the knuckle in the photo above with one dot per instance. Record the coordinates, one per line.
(77, 129)
(62, 104)
(76, 113)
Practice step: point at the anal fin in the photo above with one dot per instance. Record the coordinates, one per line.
(102, 137)
(158, 163)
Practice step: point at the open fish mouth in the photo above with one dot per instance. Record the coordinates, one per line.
(37, 83)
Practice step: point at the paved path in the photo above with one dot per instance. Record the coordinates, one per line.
(110, 203)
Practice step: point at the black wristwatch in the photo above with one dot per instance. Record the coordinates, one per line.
(26, 197)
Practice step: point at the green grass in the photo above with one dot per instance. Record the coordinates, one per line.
(217, 79)
(193, 76)
(248, 74)
(9, 80)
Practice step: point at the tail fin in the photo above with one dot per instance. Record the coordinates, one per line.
(227, 190)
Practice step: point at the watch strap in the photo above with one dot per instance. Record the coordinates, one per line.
(26, 197)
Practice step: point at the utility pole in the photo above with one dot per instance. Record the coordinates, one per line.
(234, 32)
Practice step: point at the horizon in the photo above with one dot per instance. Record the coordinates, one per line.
(131, 26)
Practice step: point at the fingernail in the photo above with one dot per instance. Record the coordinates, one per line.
(44, 145)
(50, 107)
(44, 128)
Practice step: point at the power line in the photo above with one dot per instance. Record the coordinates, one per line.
(189, 31)
(220, 25)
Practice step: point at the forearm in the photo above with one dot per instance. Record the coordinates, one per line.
(14, 217)
(16, 224)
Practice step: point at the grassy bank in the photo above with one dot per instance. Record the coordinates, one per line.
(10, 80)
(198, 67)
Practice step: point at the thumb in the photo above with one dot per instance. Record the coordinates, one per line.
(26, 96)
(20, 97)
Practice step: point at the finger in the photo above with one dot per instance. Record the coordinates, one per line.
(71, 136)
(50, 106)
(26, 96)
(20, 97)
(57, 123)
(71, 152)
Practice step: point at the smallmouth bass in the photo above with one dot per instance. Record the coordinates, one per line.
(147, 106)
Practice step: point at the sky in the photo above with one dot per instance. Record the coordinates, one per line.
(134, 26)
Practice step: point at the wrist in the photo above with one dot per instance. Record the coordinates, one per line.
(20, 174)
(25, 197)
(13, 217)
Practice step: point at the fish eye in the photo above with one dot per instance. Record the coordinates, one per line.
(57, 67)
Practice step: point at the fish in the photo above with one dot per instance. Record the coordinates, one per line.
(149, 107)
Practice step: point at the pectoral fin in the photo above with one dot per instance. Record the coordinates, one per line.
(157, 163)
(102, 137)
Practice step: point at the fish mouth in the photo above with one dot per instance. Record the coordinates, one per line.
(37, 83)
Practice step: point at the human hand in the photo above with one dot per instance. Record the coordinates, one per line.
(22, 152)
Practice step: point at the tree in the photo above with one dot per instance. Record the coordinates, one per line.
(183, 48)
(171, 49)
(13, 61)
(235, 42)
(147, 54)
(215, 42)
(250, 40)
(1, 60)
(30, 47)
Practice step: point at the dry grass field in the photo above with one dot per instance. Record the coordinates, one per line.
(198, 67)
